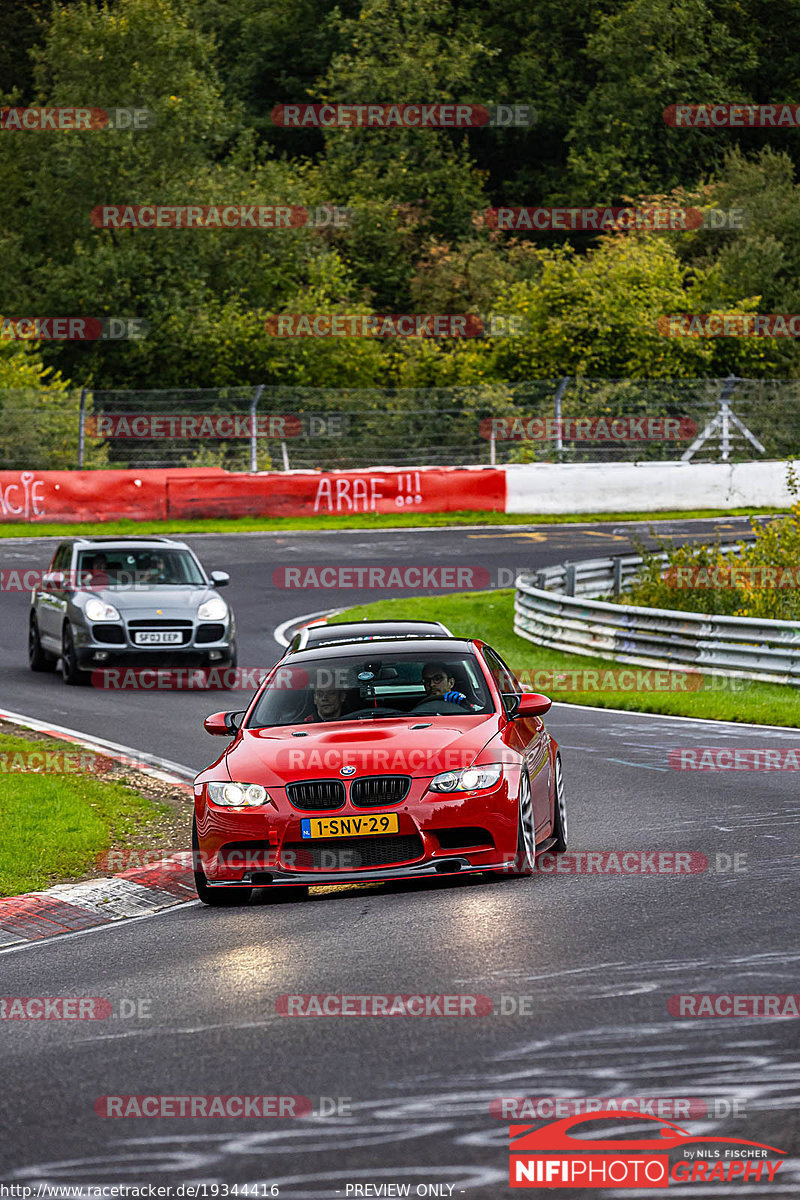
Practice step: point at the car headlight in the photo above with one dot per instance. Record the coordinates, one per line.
(472, 779)
(214, 609)
(238, 795)
(98, 610)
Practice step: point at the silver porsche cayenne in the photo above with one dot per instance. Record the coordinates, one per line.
(106, 602)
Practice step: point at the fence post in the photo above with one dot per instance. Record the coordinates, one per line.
(617, 576)
(82, 429)
(253, 421)
(569, 578)
(728, 388)
(562, 387)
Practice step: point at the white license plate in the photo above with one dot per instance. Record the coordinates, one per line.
(159, 637)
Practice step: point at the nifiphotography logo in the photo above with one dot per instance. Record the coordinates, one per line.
(553, 1156)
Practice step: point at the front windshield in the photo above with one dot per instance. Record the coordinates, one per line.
(120, 568)
(373, 684)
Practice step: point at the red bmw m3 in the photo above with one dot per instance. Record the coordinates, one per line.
(390, 759)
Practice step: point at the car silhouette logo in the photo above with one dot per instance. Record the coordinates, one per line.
(347, 771)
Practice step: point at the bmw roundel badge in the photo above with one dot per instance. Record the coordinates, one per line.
(347, 771)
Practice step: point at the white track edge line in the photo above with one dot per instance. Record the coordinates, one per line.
(635, 712)
(279, 632)
(183, 773)
(75, 933)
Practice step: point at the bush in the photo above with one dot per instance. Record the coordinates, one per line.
(776, 549)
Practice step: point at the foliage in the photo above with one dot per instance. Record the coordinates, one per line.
(599, 76)
(765, 583)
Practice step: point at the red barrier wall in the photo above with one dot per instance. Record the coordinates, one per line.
(41, 496)
(306, 493)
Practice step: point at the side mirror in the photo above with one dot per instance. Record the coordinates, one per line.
(53, 579)
(220, 578)
(531, 704)
(223, 724)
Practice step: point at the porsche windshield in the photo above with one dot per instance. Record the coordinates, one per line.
(120, 568)
(372, 686)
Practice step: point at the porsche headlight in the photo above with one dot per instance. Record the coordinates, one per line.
(214, 609)
(238, 795)
(473, 779)
(98, 610)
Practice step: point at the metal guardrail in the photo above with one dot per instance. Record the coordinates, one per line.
(557, 607)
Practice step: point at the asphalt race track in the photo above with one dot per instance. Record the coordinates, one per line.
(579, 967)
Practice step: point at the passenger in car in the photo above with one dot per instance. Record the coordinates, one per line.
(328, 704)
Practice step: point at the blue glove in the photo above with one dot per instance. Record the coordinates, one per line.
(455, 697)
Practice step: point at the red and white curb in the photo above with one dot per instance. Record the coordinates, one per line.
(139, 891)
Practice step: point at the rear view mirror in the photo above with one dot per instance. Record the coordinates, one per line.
(223, 724)
(220, 578)
(532, 704)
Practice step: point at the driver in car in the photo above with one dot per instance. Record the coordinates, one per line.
(441, 686)
(328, 703)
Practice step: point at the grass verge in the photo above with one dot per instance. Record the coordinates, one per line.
(10, 529)
(53, 826)
(490, 616)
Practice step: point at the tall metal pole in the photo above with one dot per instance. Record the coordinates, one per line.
(82, 429)
(253, 420)
(562, 387)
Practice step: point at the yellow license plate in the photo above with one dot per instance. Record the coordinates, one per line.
(326, 827)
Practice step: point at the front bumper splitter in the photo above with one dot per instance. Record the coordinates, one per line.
(443, 867)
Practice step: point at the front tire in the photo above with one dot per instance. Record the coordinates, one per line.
(560, 810)
(38, 658)
(70, 671)
(525, 858)
(223, 897)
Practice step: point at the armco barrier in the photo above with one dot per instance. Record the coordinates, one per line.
(743, 647)
(152, 495)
